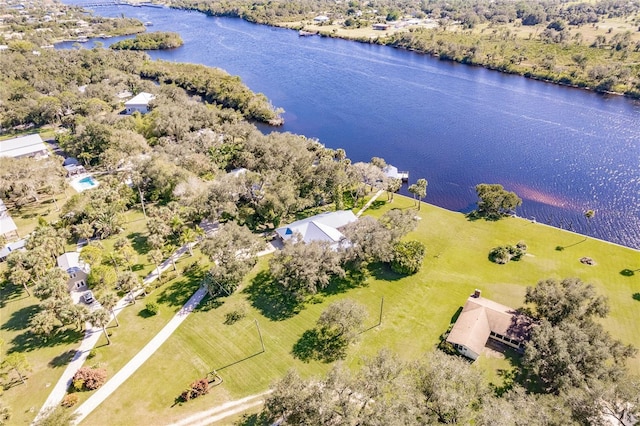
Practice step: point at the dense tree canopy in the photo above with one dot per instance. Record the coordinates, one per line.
(150, 41)
(569, 349)
(495, 202)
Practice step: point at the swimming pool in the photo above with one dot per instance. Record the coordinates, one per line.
(84, 183)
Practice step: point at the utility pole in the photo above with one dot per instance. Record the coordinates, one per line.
(381, 305)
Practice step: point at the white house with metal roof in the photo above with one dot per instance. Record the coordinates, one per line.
(8, 227)
(139, 103)
(24, 146)
(321, 227)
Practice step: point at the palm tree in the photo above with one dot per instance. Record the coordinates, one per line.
(20, 276)
(155, 257)
(83, 231)
(109, 302)
(393, 186)
(100, 318)
(419, 189)
(18, 263)
(187, 238)
(129, 282)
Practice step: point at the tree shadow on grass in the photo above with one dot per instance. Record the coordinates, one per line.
(312, 345)
(10, 383)
(636, 296)
(144, 313)
(270, 299)
(256, 419)
(352, 279)
(209, 303)
(377, 204)
(383, 271)
(19, 319)
(63, 359)
(138, 242)
(560, 248)
(28, 341)
(10, 293)
(181, 290)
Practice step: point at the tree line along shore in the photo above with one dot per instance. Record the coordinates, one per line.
(196, 155)
(594, 45)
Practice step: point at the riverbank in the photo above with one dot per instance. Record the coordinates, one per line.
(418, 305)
(606, 69)
(577, 152)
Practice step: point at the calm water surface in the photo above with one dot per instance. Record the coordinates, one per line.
(562, 150)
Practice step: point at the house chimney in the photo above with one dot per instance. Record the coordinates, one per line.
(476, 293)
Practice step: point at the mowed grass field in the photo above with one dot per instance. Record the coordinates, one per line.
(49, 359)
(417, 310)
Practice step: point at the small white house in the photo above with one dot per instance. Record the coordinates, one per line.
(321, 227)
(321, 19)
(78, 270)
(139, 103)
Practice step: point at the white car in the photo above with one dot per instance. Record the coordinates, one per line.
(88, 298)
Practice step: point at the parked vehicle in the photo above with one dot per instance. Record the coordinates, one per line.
(88, 298)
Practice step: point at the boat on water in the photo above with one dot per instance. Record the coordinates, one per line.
(303, 33)
(148, 24)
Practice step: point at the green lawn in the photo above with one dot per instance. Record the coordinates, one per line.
(417, 309)
(49, 360)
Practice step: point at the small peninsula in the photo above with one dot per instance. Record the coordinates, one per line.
(158, 40)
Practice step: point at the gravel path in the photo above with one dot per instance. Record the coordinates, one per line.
(223, 411)
(108, 388)
(92, 334)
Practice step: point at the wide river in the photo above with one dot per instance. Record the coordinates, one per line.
(562, 150)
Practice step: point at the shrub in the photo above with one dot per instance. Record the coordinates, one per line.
(239, 311)
(407, 257)
(70, 400)
(152, 308)
(88, 378)
(503, 254)
(92, 354)
(197, 388)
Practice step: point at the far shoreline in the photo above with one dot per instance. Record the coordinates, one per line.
(295, 27)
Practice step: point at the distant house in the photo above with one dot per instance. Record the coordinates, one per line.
(321, 227)
(381, 27)
(24, 146)
(76, 268)
(10, 248)
(483, 319)
(73, 167)
(139, 103)
(321, 19)
(8, 228)
(392, 172)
